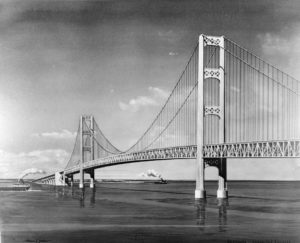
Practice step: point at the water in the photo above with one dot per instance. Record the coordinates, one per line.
(146, 212)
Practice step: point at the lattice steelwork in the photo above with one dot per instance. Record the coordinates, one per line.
(272, 149)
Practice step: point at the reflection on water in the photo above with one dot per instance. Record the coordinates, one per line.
(201, 213)
(148, 211)
(80, 194)
(93, 197)
(83, 194)
(222, 205)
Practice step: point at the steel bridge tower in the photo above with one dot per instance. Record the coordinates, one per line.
(86, 148)
(205, 110)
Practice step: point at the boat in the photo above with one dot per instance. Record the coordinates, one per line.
(162, 181)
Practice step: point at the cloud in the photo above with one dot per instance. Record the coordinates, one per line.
(153, 173)
(64, 134)
(49, 160)
(150, 173)
(155, 98)
(173, 53)
(142, 174)
(158, 93)
(273, 43)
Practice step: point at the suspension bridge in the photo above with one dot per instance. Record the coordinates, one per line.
(227, 103)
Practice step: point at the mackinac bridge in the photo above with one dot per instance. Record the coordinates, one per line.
(227, 103)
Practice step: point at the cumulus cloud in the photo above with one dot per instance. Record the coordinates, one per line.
(150, 173)
(12, 164)
(63, 134)
(155, 98)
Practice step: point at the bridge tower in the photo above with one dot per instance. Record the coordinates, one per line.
(204, 110)
(86, 148)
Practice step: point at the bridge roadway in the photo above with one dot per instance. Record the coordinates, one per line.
(212, 152)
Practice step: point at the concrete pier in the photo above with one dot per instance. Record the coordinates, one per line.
(81, 178)
(222, 189)
(92, 178)
(200, 192)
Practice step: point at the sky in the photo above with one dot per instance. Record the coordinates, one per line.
(119, 60)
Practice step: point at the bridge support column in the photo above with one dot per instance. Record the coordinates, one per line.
(222, 189)
(64, 179)
(200, 191)
(59, 179)
(70, 180)
(92, 178)
(81, 178)
(81, 172)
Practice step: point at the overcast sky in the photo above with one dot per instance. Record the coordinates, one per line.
(62, 59)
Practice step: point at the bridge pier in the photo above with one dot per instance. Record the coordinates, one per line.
(222, 188)
(92, 178)
(64, 179)
(81, 178)
(200, 192)
(70, 179)
(59, 179)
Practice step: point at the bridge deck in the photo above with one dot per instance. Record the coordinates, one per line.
(271, 149)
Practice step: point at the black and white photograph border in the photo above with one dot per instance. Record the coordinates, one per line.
(149, 121)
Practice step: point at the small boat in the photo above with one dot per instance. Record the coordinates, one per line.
(162, 181)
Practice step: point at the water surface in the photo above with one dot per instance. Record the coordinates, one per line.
(147, 212)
